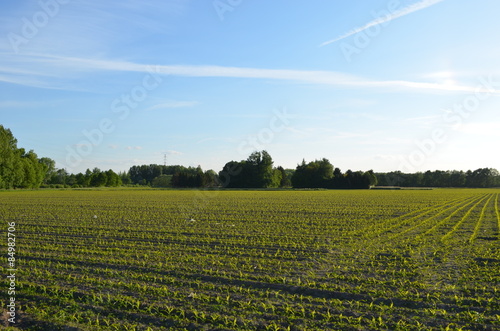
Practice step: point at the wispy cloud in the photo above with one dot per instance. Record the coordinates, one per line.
(385, 19)
(422, 118)
(19, 104)
(172, 153)
(129, 148)
(174, 104)
(76, 66)
(222, 139)
(28, 81)
(481, 129)
(423, 122)
(89, 26)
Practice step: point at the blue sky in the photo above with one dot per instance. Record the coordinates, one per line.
(409, 85)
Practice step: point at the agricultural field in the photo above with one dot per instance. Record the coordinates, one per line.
(253, 260)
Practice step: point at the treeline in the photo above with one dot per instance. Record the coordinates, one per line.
(321, 174)
(171, 176)
(257, 171)
(480, 178)
(21, 169)
(18, 168)
(60, 178)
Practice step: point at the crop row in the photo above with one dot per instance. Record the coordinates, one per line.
(257, 260)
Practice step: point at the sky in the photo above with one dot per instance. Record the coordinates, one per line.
(410, 85)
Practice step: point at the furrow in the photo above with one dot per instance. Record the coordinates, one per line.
(459, 223)
(419, 213)
(449, 217)
(480, 220)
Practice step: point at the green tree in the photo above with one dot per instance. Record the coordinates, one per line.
(9, 158)
(315, 174)
(371, 178)
(125, 177)
(211, 179)
(285, 179)
(98, 178)
(59, 177)
(255, 172)
(232, 175)
(112, 179)
(18, 168)
(162, 181)
(80, 180)
(260, 170)
(33, 171)
(50, 166)
(71, 180)
(88, 177)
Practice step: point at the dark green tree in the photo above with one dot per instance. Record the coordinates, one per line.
(50, 166)
(285, 179)
(260, 172)
(211, 179)
(315, 174)
(232, 175)
(112, 179)
(18, 168)
(125, 178)
(98, 178)
(80, 180)
(255, 172)
(162, 181)
(9, 159)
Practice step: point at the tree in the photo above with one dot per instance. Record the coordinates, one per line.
(285, 179)
(145, 174)
(50, 166)
(88, 177)
(18, 168)
(98, 178)
(80, 180)
(315, 174)
(33, 171)
(194, 177)
(232, 175)
(162, 181)
(113, 180)
(211, 179)
(260, 170)
(372, 178)
(358, 180)
(483, 177)
(59, 177)
(125, 178)
(9, 156)
(457, 179)
(255, 172)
